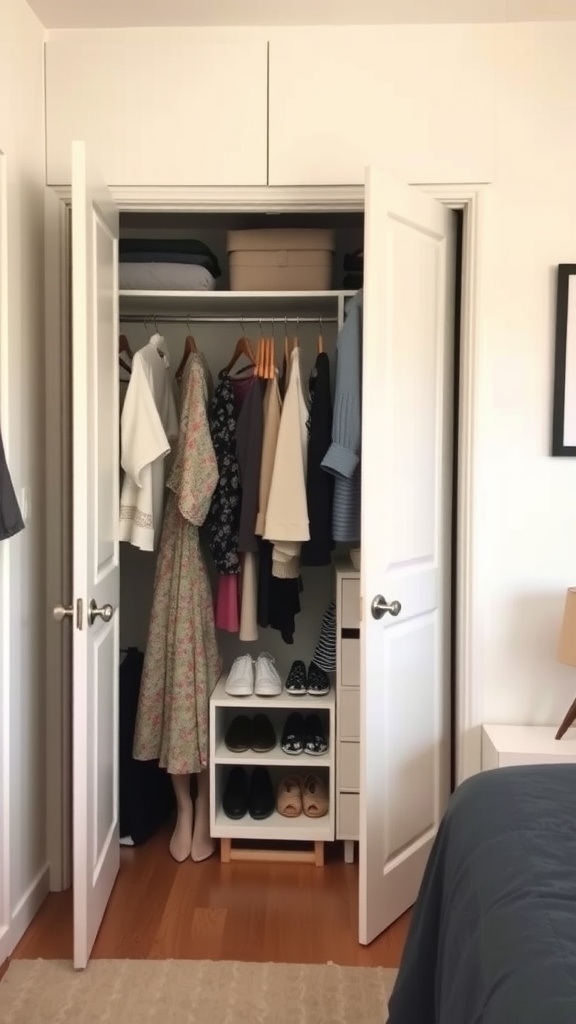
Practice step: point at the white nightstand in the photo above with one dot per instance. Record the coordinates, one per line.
(505, 745)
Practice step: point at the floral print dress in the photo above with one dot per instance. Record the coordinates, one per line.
(182, 665)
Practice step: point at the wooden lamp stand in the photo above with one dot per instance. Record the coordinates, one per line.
(567, 653)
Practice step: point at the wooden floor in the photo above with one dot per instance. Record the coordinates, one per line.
(287, 913)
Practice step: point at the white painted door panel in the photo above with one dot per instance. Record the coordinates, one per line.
(159, 111)
(96, 572)
(406, 499)
(418, 100)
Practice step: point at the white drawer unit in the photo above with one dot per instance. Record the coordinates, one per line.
(349, 751)
(506, 745)
(349, 817)
(348, 706)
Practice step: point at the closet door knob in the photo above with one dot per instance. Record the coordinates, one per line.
(105, 613)
(62, 612)
(380, 606)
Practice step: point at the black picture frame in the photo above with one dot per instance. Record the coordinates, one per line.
(564, 398)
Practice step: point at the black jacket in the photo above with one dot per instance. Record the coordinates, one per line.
(319, 484)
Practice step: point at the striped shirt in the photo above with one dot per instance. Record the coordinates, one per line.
(342, 459)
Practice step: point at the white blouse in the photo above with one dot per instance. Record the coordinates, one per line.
(148, 422)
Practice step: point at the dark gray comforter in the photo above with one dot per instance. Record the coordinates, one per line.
(493, 934)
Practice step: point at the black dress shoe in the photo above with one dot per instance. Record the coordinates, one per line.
(263, 735)
(239, 734)
(261, 802)
(235, 798)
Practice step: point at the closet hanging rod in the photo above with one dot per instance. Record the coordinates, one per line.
(168, 318)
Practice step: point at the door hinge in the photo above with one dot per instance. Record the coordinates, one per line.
(79, 613)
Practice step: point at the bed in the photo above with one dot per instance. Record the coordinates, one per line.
(493, 933)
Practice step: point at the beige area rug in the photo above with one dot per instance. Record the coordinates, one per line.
(193, 992)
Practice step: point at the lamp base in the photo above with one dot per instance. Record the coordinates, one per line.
(567, 721)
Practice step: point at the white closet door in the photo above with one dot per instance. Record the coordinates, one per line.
(96, 582)
(406, 495)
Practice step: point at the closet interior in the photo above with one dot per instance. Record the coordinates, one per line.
(306, 747)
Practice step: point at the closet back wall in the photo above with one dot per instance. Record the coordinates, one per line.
(217, 343)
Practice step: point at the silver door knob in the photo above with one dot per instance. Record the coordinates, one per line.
(105, 613)
(62, 612)
(380, 606)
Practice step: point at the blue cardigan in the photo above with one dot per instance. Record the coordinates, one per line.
(342, 459)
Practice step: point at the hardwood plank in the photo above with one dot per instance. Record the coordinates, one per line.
(290, 913)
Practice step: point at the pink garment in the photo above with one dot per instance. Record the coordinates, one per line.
(227, 610)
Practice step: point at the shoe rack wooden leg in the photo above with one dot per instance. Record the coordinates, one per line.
(225, 848)
(348, 851)
(319, 854)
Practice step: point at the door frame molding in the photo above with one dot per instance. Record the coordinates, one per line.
(5, 748)
(313, 199)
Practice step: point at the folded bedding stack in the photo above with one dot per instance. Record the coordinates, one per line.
(174, 264)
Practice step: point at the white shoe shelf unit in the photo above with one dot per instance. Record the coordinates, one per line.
(276, 829)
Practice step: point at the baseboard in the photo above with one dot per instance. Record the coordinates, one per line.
(25, 912)
(4, 945)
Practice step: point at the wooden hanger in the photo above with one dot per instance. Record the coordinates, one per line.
(260, 358)
(125, 366)
(243, 348)
(320, 339)
(189, 346)
(123, 346)
(272, 360)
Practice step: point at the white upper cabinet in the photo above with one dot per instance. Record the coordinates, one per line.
(182, 109)
(419, 101)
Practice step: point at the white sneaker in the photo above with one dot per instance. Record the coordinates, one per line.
(240, 682)
(268, 682)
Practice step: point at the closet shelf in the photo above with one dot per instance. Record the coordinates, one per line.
(276, 828)
(214, 303)
(276, 757)
(242, 704)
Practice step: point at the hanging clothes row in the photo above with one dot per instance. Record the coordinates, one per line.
(288, 476)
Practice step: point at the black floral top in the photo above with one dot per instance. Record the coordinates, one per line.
(223, 520)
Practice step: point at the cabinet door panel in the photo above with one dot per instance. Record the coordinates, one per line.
(159, 112)
(348, 816)
(417, 100)
(349, 715)
(349, 768)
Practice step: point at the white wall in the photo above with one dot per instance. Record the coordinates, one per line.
(23, 837)
(525, 501)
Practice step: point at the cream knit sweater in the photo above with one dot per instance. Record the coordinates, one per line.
(287, 523)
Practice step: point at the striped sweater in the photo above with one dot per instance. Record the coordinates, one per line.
(343, 456)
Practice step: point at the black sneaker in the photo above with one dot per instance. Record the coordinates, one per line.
(296, 684)
(318, 681)
(314, 737)
(293, 734)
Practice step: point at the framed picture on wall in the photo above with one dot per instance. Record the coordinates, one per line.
(564, 404)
